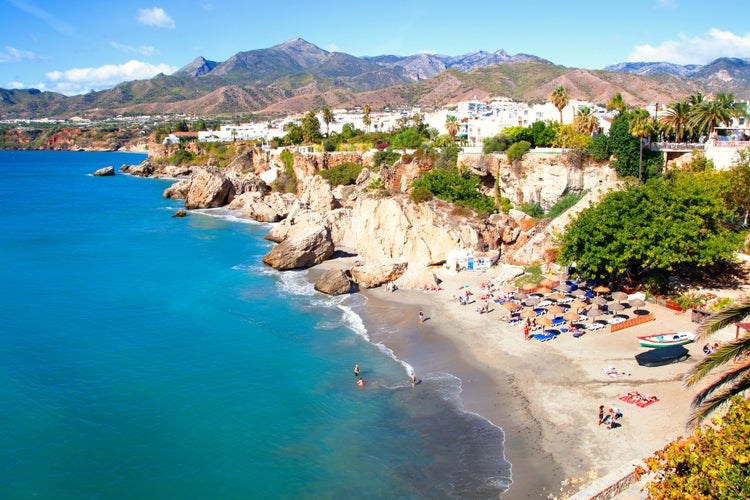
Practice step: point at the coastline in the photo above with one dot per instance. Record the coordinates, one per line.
(544, 396)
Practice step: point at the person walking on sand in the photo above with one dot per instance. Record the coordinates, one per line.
(421, 316)
(356, 370)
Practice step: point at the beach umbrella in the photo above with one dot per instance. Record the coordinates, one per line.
(555, 310)
(637, 303)
(532, 301)
(546, 282)
(593, 313)
(520, 296)
(578, 292)
(543, 320)
(617, 306)
(599, 300)
(511, 306)
(601, 289)
(564, 288)
(578, 304)
(571, 316)
(619, 296)
(528, 313)
(543, 290)
(556, 296)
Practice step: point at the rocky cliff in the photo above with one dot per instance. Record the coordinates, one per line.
(396, 237)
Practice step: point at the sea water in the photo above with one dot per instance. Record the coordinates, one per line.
(146, 356)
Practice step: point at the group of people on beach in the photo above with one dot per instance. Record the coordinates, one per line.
(610, 419)
(361, 380)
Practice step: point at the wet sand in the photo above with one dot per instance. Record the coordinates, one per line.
(544, 395)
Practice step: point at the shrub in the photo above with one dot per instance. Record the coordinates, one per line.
(329, 146)
(497, 144)
(534, 210)
(376, 184)
(458, 188)
(342, 175)
(563, 204)
(517, 150)
(384, 158)
(420, 194)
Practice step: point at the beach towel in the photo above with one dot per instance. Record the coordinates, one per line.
(638, 399)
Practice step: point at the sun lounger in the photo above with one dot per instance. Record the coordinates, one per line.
(544, 337)
(558, 321)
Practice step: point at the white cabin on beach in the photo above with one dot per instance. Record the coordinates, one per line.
(471, 260)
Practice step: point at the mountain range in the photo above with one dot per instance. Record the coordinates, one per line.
(296, 76)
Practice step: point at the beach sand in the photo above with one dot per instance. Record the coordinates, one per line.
(544, 395)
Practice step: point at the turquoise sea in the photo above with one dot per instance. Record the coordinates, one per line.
(145, 356)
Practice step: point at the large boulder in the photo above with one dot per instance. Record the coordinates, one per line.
(334, 282)
(105, 172)
(317, 194)
(306, 248)
(209, 190)
(178, 190)
(372, 275)
(416, 278)
(271, 208)
(145, 169)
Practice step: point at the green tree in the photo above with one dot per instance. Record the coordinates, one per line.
(452, 126)
(450, 185)
(733, 378)
(716, 111)
(366, 120)
(712, 463)
(293, 134)
(342, 175)
(407, 138)
(677, 119)
(560, 98)
(328, 119)
(585, 122)
(496, 144)
(310, 127)
(652, 227)
(516, 151)
(617, 103)
(641, 128)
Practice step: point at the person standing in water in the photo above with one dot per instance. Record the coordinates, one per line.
(361, 382)
(413, 379)
(356, 370)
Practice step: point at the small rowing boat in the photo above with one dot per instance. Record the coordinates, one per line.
(666, 339)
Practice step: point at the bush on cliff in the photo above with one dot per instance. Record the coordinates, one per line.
(342, 175)
(460, 188)
(286, 182)
(385, 158)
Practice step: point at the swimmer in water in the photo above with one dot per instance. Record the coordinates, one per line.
(361, 382)
(356, 370)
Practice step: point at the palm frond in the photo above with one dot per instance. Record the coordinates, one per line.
(724, 355)
(708, 406)
(736, 373)
(731, 314)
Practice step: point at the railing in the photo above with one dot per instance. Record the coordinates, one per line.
(632, 322)
(730, 144)
(676, 146)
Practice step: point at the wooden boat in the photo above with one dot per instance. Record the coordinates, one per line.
(666, 339)
(663, 356)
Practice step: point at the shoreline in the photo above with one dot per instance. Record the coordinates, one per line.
(544, 396)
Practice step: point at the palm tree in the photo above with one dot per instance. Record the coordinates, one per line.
(366, 119)
(617, 103)
(715, 111)
(733, 380)
(452, 126)
(585, 122)
(560, 98)
(327, 118)
(677, 119)
(640, 127)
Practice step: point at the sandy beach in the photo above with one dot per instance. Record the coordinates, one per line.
(544, 395)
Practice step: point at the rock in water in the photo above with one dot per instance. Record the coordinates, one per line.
(180, 213)
(303, 249)
(334, 282)
(105, 172)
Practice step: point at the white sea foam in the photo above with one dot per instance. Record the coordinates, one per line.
(229, 215)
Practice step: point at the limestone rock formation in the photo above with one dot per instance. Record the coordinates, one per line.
(376, 274)
(145, 169)
(105, 172)
(417, 277)
(317, 194)
(271, 208)
(180, 213)
(305, 248)
(334, 282)
(178, 190)
(209, 190)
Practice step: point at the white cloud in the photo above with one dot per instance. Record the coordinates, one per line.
(144, 50)
(14, 85)
(155, 17)
(12, 54)
(700, 49)
(80, 80)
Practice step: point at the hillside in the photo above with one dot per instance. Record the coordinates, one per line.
(296, 76)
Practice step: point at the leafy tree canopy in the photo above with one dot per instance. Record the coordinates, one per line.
(713, 463)
(497, 143)
(342, 175)
(459, 188)
(408, 138)
(651, 227)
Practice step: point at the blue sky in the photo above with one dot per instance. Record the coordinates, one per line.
(76, 46)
